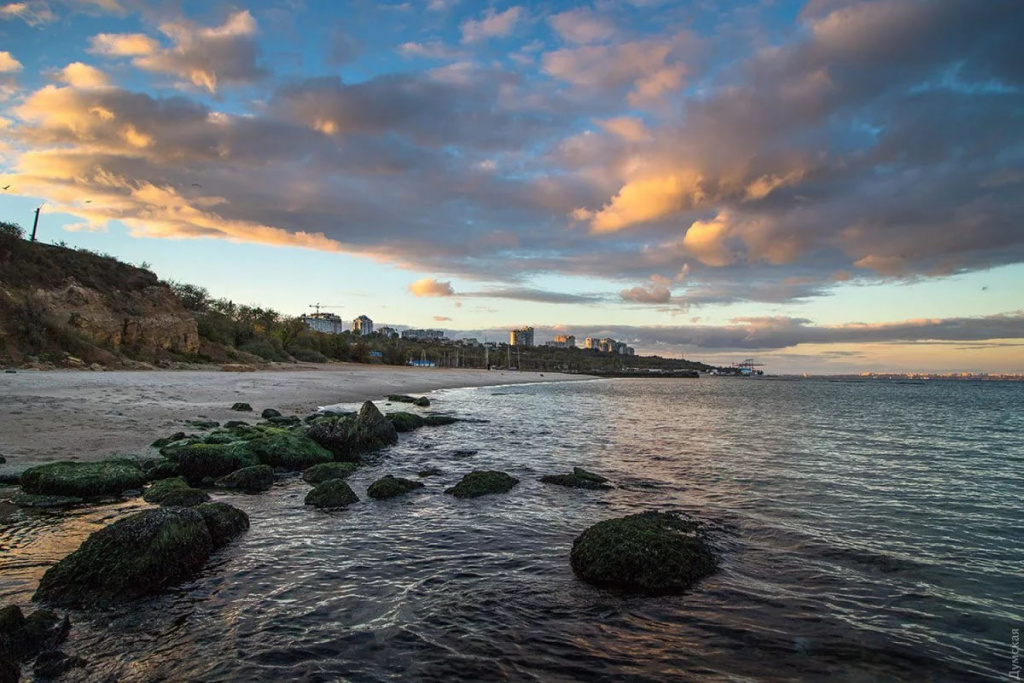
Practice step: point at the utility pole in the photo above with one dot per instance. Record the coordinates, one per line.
(35, 224)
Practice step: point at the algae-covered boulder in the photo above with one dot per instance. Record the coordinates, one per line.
(223, 521)
(347, 438)
(32, 500)
(133, 557)
(249, 479)
(162, 469)
(579, 479)
(202, 424)
(285, 420)
(405, 422)
(318, 474)
(220, 437)
(401, 398)
(270, 412)
(199, 461)
(653, 553)
(333, 493)
(83, 479)
(242, 407)
(483, 482)
(389, 487)
(166, 441)
(439, 420)
(174, 492)
(281, 448)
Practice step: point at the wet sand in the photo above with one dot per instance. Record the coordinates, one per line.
(81, 415)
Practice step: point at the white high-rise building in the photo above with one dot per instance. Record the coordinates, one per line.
(362, 326)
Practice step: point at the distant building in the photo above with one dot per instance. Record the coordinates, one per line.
(607, 345)
(591, 343)
(362, 326)
(630, 351)
(328, 323)
(387, 332)
(423, 335)
(564, 341)
(521, 337)
(469, 341)
(620, 348)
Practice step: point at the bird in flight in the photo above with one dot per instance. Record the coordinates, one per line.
(88, 201)
(196, 185)
(6, 186)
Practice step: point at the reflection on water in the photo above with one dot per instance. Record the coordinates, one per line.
(867, 531)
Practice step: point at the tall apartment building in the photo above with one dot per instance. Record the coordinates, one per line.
(521, 337)
(423, 335)
(607, 345)
(328, 323)
(564, 341)
(591, 343)
(362, 325)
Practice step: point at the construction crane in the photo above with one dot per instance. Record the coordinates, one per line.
(749, 367)
(325, 307)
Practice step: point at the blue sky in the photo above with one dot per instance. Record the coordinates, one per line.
(830, 185)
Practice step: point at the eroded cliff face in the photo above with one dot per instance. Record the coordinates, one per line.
(139, 321)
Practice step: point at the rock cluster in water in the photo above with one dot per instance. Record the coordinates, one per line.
(481, 483)
(652, 553)
(83, 479)
(333, 493)
(578, 479)
(390, 487)
(37, 636)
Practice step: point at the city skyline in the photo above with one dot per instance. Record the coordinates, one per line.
(830, 186)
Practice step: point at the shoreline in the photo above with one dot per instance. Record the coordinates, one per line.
(87, 416)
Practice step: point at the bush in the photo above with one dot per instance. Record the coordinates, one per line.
(265, 349)
(308, 355)
(11, 230)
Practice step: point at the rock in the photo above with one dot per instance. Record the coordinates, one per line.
(270, 412)
(464, 453)
(83, 480)
(46, 629)
(405, 422)
(223, 521)
(439, 420)
(333, 493)
(653, 553)
(242, 407)
(199, 461)
(231, 424)
(135, 556)
(163, 469)
(422, 402)
(401, 398)
(429, 472)
(167, 441)
(481, 483)
(389, 487)
(13, 638)
(579, 479)
(174, 492)
(3, 460)
(281, 448)
(10, 477)
(317, 474)
(202, 424)
(220, 438)
(54, 663)
(249, 479)
(31, 500)
(285, 421)
(347, 439)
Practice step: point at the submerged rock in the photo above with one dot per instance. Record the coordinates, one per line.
(200, 461)
(483, 482)
(405, 422)
(653, 553)
(347, 439)
(579, 479)
(174, 492)
(270, 412)
(249, 479)
(223, 521)
(242, 407)
(401, 398)
(317, 474)
(31, 500)
(439, 420)
(22, 638)
(83, 479)
(389, 487)
(202, 424)
(429, 472)
(333, 493)
(133, 557)
(54, 663)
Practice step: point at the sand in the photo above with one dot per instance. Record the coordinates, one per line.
(82, 415)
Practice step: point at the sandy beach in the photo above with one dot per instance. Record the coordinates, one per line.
(81, 415)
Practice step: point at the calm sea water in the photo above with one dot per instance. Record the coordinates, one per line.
(868, 531)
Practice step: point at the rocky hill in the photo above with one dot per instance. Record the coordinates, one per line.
(68, 307)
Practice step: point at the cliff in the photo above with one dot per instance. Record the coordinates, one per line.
(71, 307)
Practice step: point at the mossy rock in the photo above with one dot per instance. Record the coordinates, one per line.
(422, 402)
(318, 474)
(285, 421)
(348, 439)
(83, 479)
(242, 407)
(405, 422)
(200, 461)
(202, 424)
(439, 420)
(401, 398)
(163, 469)
(281, 448)
(653, 553)
(223, 521)
(32, 500)
(168, 440)
(249, 479)
(483, 482)
(389, 487)
(174, 492)
(135, 556)
(579, 479)
(220, 438)
(270, 412)
(232, 424)
(333, 493)
(429, 472)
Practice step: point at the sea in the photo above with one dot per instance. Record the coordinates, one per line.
(867, 531)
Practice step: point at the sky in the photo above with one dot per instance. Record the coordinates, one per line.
(829, 186)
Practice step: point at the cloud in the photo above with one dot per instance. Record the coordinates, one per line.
(434, 49)
(79, 75)
(9, 64)
(582, 25)
(535, 295)
(492, 25)
(431, 287)
(32, 12)
(442, 318)
(651, 293)
(205, 57)
(629, 128)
